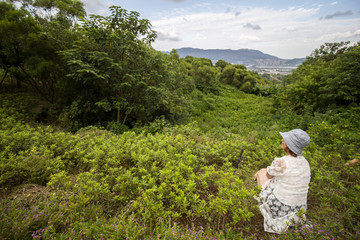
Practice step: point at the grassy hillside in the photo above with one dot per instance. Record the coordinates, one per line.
(103, 137)
(169, 182)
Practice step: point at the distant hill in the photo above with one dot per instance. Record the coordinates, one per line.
(247, 57)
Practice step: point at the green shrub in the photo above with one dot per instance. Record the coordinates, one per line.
(116, 127)
(162, 181)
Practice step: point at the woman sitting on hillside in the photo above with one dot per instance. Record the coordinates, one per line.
(285, 183)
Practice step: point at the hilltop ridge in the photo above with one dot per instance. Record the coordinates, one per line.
(247, 57)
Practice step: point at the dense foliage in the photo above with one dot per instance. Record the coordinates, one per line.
(102, 71)
(103, 137)
(180, 180)
(329, 78)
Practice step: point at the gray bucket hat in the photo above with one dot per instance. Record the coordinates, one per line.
(296, 140)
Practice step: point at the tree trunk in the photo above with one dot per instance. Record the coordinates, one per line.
(125, 118)
(34, 84)
(3, 78)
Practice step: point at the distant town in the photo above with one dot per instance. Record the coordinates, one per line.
(282, 70)
(254, 60)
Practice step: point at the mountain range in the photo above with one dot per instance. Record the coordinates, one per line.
(247, 57)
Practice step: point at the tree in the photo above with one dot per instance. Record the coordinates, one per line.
(29, 53)
(328, 51)
(238, 76)
(47, 11)
(329, 77)
(21, 32)
(343, 78)
(227, 75)
(203, 73)
(221, 64)
(119, 69)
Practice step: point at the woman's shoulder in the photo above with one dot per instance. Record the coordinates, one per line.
(296, 162)
(289, 157)
(289, 160)
(284, 158)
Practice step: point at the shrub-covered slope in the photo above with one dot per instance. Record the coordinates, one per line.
(178, 182)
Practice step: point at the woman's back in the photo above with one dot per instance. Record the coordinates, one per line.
(291, 179)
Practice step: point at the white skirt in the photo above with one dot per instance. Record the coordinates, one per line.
(277, 215)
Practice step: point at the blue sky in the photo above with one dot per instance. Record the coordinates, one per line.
(283, 28)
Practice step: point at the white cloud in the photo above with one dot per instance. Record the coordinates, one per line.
(337, 14)
(338, 36)
(97, 6)
(174, 0)
(252, 26)
(228, 29)
(168, 36)
(289, 32)
(290, 29)
(248, 37)
(286, 33)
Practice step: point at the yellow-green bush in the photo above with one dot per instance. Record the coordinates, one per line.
(179, 180)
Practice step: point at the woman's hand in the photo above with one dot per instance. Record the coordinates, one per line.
(261, 176)
(256, 175)
(352, 162)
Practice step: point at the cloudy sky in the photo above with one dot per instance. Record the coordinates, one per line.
(283, 28)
